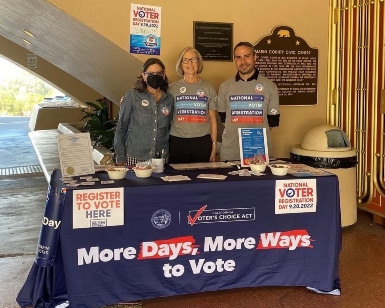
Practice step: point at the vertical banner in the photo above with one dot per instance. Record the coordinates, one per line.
(50, 227)
(145, 29)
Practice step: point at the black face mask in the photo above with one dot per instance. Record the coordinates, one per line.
(155, 81)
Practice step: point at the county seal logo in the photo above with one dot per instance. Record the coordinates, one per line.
(161, 219)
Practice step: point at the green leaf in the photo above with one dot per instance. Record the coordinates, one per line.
(95, 106)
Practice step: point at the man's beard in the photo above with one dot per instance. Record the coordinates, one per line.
(244, 70)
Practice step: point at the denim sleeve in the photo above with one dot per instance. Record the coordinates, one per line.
(121, 133)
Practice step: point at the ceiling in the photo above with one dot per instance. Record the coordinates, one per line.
(70, 45)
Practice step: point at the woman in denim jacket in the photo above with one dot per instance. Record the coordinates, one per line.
(143, 129)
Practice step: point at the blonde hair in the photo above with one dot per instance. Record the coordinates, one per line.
(179, 69)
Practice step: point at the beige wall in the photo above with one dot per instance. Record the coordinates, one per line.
(252, 20)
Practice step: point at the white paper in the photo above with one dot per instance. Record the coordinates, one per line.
(212, 176)
(75, 153)
(210, 165)
(175, 178)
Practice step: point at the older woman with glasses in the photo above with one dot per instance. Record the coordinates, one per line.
(193, 136)
(145, 114)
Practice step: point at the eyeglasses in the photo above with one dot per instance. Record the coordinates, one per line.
(188, 60)
(147, 74)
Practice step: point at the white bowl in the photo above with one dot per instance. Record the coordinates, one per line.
(143, 173)
(279, 169)
(117, 173)
(257, 167)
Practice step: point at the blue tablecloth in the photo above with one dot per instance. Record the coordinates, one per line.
(186, 237)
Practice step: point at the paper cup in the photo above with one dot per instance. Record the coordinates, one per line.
(157, 165)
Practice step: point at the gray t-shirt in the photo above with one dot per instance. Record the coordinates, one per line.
(191, 108)
(247, 104)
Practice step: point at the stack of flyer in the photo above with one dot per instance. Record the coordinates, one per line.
(212, 176)
(175, 178)
(305, 170)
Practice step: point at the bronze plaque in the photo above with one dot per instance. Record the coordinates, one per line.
(288, 60)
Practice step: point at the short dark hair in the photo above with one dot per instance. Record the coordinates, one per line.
(247, 44)
(141, 85)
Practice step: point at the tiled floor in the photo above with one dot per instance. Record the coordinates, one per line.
(362, 274)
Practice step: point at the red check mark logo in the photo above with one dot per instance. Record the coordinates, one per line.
(191, 221)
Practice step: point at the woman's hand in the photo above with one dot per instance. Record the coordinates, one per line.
(213, 152)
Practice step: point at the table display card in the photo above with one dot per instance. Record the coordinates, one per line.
(75, 154)
(252, 143)
(103, 207)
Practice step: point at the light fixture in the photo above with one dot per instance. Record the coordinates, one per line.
(28, 42)
(27, 32)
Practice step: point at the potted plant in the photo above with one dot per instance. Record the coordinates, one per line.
(99, 124)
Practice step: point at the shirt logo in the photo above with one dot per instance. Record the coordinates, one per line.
(273, 111)
(165, 111)
(182, 89)
(201, 93)
(145, 103)
(259, 88)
